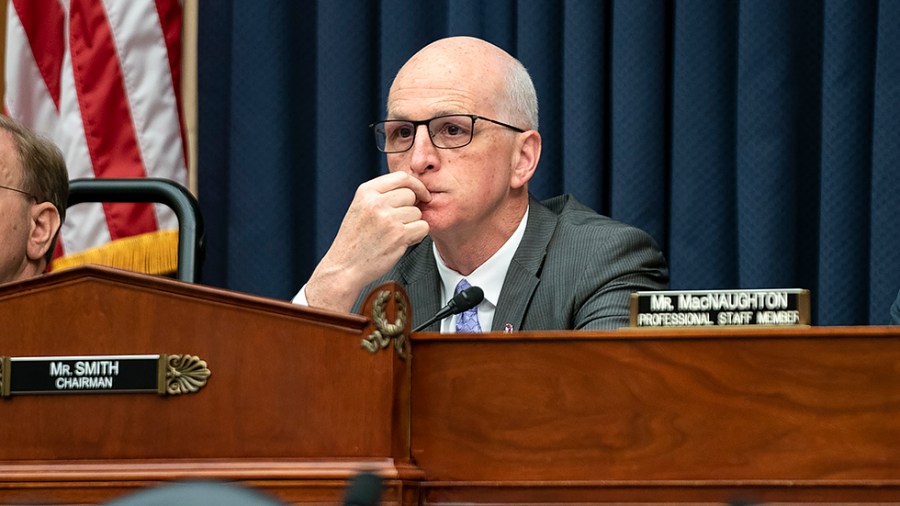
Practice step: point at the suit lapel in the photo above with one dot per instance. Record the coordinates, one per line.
(423, 283)
(523, 275)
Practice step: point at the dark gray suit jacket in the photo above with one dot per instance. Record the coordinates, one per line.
(574, 269)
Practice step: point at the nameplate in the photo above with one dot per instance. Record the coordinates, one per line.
(707, 308)
(161, 374)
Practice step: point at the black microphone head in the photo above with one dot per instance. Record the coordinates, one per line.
(467, 299)
(364, 490)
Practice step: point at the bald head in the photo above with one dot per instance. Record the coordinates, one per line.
(473, 71)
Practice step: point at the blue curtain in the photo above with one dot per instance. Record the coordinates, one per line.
(758, 141)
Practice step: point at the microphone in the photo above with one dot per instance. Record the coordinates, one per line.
(464, 300)
(364, 490)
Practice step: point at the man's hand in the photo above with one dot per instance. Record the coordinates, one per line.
(380, 224)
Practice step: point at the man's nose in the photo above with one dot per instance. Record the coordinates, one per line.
(423, 154)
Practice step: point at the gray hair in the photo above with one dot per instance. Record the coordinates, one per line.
(521, 102)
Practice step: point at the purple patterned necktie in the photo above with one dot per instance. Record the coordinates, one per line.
(468, 320)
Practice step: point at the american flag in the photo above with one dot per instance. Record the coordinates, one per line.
(101, 78)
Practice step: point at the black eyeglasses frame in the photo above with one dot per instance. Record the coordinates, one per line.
(426, 122)
(23, 192)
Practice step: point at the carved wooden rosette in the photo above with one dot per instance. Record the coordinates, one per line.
(388, 307)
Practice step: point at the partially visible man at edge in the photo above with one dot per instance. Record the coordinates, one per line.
(462, 144)
(34, 187)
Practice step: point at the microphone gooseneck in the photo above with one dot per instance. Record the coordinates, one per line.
(464, 300)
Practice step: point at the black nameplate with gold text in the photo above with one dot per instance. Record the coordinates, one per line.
(709, 308)
(81, 374)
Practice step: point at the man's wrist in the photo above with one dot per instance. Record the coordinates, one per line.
(331, 291)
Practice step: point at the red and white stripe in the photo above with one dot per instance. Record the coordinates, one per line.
(101, 79)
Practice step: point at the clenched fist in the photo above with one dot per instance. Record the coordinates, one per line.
(382, 221)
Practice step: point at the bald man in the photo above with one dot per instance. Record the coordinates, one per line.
(462, 143)
(34, 186)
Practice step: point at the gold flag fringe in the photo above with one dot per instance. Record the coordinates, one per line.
(151, 253)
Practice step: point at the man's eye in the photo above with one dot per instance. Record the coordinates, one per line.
(451, 129)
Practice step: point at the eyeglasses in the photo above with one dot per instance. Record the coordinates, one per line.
(23, 192)
(450, 131)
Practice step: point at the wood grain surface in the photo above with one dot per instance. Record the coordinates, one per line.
(735, 409)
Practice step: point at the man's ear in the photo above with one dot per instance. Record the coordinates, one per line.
(528, 155)
(44, 225)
